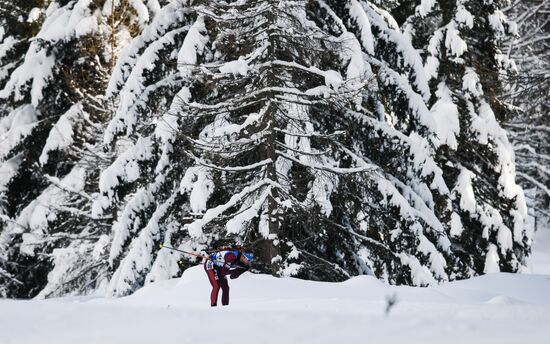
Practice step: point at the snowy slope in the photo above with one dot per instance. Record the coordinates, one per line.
(498, 308)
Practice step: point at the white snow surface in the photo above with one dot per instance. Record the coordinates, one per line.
(61, 135)
(497, 308)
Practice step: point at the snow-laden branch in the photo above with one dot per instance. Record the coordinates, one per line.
(337, 170)
(359, 160)
(360, 236)
(195, 228)
(528, 127)
(312, 134)
(6, 218)
(234, 147)
(325, 261)
(534, 182)
(56, 182)
(250, 167)
(10, 277)
(300, 151)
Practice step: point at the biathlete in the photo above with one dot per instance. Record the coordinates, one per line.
(221, 264)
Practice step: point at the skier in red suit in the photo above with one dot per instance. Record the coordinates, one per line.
(221, 264)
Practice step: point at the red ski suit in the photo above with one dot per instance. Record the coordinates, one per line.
(217, 268)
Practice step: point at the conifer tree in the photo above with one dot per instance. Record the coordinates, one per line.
(53, 115)
(461, 41)
(284, 132)
(140, 187)
(527, 91)
(19, 22)
(405, 210)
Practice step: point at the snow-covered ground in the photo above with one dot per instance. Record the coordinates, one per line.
(497, 308)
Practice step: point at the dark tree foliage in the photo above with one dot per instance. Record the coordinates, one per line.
(462, 43)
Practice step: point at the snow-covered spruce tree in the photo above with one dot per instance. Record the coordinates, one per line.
(298, 126)
(408, 209)
(461, 42)
(80, 264)
(140, 188)
(52, 118)
(19, 21)
(528, 89)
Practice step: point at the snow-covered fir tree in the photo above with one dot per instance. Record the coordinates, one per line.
(139, 188)
(19, 21)
(303, 131)
(528, 89)
(461, 41)
(51, 122)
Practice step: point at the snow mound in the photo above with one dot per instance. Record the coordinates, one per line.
(500, 300)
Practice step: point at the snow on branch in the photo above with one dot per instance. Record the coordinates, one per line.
(62, 23)
(126, 221)
(534, 182)
(254, 166)
(61, 135)
(384, 22)
(337, 170)
(137, 263)
(15, 127)
(125, 169)
(170, 17)
(134, 91)
(195, 228)
(415, 101)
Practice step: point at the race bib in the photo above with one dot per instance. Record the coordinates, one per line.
(209, 265)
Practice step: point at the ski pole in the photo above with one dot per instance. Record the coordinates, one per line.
(189, 253)
(254, 271)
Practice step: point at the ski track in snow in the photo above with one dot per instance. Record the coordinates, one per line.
(497, 308)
